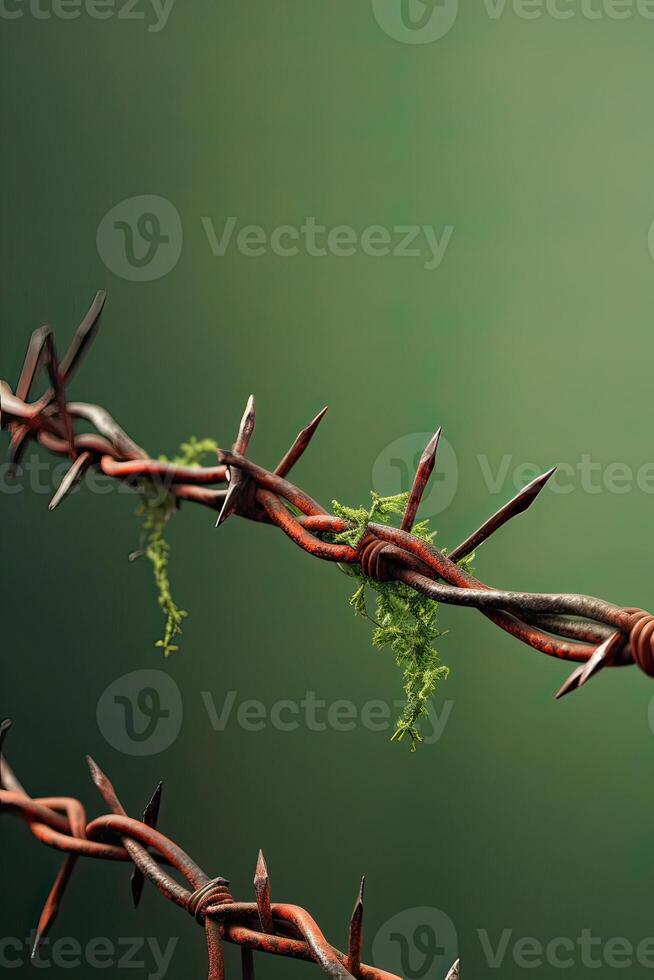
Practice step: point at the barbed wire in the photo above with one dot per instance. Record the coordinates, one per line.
(582, 629)
(262, 926)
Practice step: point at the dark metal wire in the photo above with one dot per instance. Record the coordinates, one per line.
(260, 926)
(578, 628)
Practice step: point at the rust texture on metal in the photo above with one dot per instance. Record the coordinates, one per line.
(259, 926)
(590, 632)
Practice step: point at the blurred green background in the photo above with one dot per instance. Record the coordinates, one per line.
(532, 340)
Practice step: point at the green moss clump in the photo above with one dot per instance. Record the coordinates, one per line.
(156, 509)
(404, 620)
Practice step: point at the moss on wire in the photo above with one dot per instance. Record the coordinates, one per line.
(156, 509)
(404, 620)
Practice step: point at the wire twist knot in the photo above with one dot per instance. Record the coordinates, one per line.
(215, 892)
(373, 562)
(641, 639)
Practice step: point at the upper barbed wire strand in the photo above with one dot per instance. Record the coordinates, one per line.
(568, 626)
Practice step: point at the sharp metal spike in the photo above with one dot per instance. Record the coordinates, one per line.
(104, 786)
(454, 972)
(58, 383)
(262, 891)
(150, 818)
(300, 445)
(32, 362)
(53, 903)
(424, 471)
(71, 479)
(571, 684)
(4, 730)
(600, 659)
(517, 505)
(236, 479)
(84, 336)
(229, 503)
(355, 935)
(246, 428)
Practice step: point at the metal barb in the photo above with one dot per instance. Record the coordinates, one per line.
(4, 731)
(355, 933)
(71, 479)
(424, 471)
(246, 428)
(262, 891)
(84, 336)
(300, 445)
(52, 904)
(600, 659)
(236, 479)
(454, 972)
(150, 819)
(291, 933)
(517, 505)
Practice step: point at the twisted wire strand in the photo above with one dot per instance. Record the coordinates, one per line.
(279, 929)
(577, 628)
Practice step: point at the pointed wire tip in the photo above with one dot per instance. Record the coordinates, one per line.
(423, 473)
(97, 774)
(155, 799)
(228, 504)
(570, 685)
(309, 430)
(454, 971)
(318, 419)
(599, 659)
(432, 445)
(262, 891)
(534, 487)
(261, 873)
(150, 818)
(4, 729)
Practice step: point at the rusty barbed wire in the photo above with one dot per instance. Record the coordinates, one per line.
(590, 632)
(260, 926)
